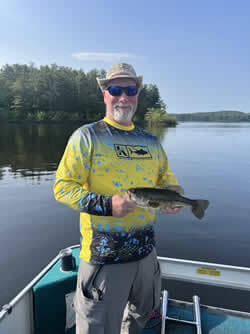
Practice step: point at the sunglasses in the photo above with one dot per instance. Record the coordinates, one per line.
(117, 90)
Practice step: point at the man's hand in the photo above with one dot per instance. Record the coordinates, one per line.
(174, 210)
(122, 205)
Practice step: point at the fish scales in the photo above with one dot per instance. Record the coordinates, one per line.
(166, 198)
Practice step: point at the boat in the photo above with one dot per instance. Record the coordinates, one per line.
(45, 305)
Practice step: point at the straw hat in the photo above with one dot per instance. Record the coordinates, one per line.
(122, 70)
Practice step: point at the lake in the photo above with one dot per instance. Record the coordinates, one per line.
(210, 160)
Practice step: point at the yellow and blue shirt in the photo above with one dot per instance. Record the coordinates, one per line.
(104, 159)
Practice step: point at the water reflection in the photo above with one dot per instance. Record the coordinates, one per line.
(159, 131)
(2, 172)
(32, 150)
(214, 125)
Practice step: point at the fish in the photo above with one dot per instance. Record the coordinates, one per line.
(165, 198)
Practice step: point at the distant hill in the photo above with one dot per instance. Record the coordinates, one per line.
(216, 116)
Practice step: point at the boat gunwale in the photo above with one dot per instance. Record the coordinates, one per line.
(200, 263)
(186, 304)
(28, 287)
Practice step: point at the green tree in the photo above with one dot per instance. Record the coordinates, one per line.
(149, 98)
(158, 116)
(60, 93)
(17, 108)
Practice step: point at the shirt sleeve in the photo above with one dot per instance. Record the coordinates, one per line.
(72, 176)
(166, 176)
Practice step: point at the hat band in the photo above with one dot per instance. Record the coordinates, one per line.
(121, 74)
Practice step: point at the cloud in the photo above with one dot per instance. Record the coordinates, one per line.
(102, 56)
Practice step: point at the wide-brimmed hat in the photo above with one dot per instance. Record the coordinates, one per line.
(122, 70)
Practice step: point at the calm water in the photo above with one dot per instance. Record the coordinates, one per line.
(210, 160)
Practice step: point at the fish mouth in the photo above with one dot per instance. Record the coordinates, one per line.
(130, 193)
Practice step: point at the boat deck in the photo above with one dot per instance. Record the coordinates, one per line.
(45, 304)
(52, 290)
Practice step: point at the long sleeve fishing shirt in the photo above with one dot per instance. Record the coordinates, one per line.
(104, 159)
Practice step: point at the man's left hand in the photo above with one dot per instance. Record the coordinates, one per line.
(174, 210)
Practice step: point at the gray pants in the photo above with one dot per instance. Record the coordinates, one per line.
(117, 298)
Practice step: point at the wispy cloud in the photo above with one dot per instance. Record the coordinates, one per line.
(102, 56)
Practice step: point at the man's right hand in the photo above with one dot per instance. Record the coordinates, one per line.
(122, 205)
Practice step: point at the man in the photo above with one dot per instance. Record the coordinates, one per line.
(119, 279)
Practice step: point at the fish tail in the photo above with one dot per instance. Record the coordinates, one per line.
(199, 208)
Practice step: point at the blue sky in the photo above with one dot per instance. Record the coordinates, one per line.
(197, 52)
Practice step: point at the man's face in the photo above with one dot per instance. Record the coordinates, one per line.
(122, 108)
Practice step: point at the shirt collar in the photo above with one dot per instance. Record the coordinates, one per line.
(119, 126)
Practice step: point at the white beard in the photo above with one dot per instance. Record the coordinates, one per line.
(121, 115)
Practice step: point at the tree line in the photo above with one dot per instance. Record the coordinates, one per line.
(58, 93)
(216, 116)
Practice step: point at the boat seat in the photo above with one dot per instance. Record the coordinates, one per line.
(49, 296)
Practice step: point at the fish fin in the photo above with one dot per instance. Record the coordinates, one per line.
(176, 188)
(153, 204)
(199, 208)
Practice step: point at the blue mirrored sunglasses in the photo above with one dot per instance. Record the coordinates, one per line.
(117, 90)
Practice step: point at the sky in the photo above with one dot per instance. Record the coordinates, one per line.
(196, 52)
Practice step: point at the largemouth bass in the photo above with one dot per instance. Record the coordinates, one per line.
(167, 198)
